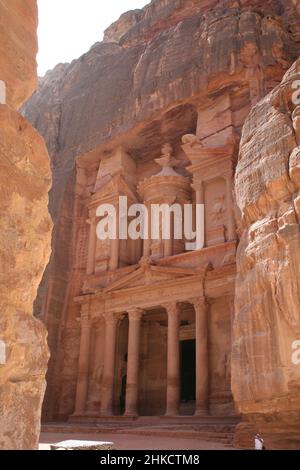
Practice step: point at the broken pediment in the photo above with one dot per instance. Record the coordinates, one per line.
(114, 186)
(117, 163)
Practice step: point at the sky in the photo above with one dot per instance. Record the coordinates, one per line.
(68, 28)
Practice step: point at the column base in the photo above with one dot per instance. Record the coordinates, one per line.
(200, 413)
(78, 414)
(106, 414)
(131, 415)
(173, 414)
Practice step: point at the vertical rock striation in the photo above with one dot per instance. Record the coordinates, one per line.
(266, 378)
(25, 231)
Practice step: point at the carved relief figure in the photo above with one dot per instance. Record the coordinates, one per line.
(218, 210)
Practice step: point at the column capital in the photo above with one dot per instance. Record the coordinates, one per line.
(135, 313)
(84, 319)
(113, 318)
(197, 185)
(85, 322)
(85, 309)
(172, 308)
(200, 304)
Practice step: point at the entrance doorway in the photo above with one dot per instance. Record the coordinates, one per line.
(188, 371)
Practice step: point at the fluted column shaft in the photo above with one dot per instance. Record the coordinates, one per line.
(132, 386)
(92, 247)
(202, 365)
(83, 366)
(114, 250)
(109, 365)
(200, 200)
(173, 367)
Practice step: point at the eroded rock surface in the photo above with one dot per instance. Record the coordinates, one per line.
(157, 70)
(25, 230)
(177, 51)
(18, 48)
(267, 319)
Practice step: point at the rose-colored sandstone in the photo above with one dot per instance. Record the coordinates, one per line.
(265, 381)
(18, 48)
(116, 311)
(25, 230)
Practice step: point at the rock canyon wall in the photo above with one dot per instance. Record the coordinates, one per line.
(25, 231)
(176, 67)
(266, 378)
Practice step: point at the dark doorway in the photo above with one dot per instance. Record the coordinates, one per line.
(188, 371)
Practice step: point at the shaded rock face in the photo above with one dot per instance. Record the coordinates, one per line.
(25, 230)
(169, 60)
(265, 374)
(18, 20)
(118, 29)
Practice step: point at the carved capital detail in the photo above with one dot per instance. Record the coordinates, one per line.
(113, 318)
(200, 305)
(135, 314)
(172, 308)
(85, 322)
(85, 316)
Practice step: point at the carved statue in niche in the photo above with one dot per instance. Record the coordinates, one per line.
(218, 211)
(98, 373)
(227, 367)
(102, 255)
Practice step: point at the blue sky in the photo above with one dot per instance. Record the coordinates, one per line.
(68, 28)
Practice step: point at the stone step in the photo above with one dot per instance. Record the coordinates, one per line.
(208, 433)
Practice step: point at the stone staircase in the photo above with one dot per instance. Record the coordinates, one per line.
(213, 429)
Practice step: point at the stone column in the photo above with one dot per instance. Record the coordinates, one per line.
(92, 247)
(109, 365)
(132, 387)
(202, 373)
(114, 250)
(99, 355)
(173, 374)
(83, 366)
(200, 199)
(230, 214)
(168, 244)
(147, 242)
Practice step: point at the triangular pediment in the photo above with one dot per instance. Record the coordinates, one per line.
(149, 275)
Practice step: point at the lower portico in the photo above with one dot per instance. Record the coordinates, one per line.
(121, 373)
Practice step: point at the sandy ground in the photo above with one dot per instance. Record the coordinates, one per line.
(133, 442)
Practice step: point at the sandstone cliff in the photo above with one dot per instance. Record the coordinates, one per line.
(265, 379)
(140, 87)
(25, 230)
(18, 48)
